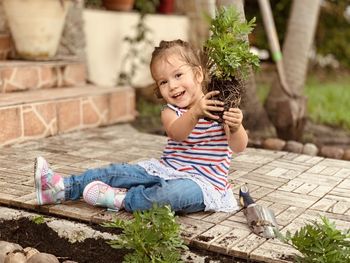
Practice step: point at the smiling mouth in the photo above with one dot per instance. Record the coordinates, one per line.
(179, 94)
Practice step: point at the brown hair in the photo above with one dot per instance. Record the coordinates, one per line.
(184, 49)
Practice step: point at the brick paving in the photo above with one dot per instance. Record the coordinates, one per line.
(297, 187)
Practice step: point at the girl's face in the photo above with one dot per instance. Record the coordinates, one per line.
(178, 82)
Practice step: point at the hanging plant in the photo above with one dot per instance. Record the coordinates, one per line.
(228, 57)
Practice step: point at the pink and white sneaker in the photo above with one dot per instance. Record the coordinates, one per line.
(98, 193)
(49, 186)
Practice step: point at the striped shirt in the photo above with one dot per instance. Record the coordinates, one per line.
(205, 152)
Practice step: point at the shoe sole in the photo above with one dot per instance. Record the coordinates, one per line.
(37, 179)
(88, 188)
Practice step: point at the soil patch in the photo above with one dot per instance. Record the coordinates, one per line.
(26, 233)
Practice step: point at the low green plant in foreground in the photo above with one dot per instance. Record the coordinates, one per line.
(319, 242)
(153, 235)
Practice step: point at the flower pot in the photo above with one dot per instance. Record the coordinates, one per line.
(5, 45)
(166, 6)
(36, 26)
(118, 5)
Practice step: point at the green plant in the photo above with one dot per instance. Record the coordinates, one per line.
(38, 220)
(135, 56)
(228, 56)
(227, 47)
(319, 242)
(153, 235)
(93, 3)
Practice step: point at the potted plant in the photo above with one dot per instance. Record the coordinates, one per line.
(36, 26)
(228, 56)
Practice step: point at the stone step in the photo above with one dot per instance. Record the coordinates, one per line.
(40, 113)
(32, 75)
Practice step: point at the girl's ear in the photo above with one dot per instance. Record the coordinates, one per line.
(199, 74)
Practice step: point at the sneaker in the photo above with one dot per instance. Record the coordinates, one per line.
(49, 186)
(244, 197)
(98, 193)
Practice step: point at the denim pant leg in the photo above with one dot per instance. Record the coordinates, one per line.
(183, 195)
(117, 175)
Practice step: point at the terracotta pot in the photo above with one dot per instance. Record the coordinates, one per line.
(5, 45)
(166, 6)
(36, 26)
(118, 5)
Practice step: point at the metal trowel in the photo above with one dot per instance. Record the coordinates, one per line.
(261, 220)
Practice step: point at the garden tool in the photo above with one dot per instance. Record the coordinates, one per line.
(261, 220)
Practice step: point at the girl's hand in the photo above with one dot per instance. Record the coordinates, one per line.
(233, 119)
(205, 105)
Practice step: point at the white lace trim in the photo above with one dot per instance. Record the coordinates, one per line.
(213, 199)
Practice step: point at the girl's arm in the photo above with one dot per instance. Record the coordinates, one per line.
(178, 128)
(236, 134)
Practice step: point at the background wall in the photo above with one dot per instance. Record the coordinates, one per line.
(105, 48)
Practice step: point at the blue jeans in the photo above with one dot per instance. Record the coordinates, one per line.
(183, 195)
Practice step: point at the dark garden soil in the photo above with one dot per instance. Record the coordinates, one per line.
(29, 234)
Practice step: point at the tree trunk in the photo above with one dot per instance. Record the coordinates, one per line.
(255, 116)
(289, 114)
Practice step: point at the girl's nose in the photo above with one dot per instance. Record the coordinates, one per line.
(172, 83)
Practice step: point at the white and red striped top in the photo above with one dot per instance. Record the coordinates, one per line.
(205, 152)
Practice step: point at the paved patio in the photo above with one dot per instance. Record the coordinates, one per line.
(297, 187)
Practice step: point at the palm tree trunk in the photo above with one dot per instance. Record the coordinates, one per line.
(289, 114)
(255, 116)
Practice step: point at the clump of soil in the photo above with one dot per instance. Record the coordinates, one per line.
(28, 234)
(231, 91)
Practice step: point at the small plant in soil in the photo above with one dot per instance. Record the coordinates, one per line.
(227, 55)
(153, 236)
(319, 242)
(38, 220)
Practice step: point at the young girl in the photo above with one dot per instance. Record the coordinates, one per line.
(191, 175)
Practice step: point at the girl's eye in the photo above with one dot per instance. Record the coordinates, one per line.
(178, 75)
(162, 83)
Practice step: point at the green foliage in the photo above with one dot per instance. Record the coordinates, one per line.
(280, 10)
(93, 3)
(333, 31)
(146, 6)
(320, 242)
(328, 101)
(38, 220)
(153, 235)
(227, 47)
(332, 34)
(148, 119)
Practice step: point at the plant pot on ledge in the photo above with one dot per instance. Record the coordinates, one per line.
(36, 26)
(118, 5)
